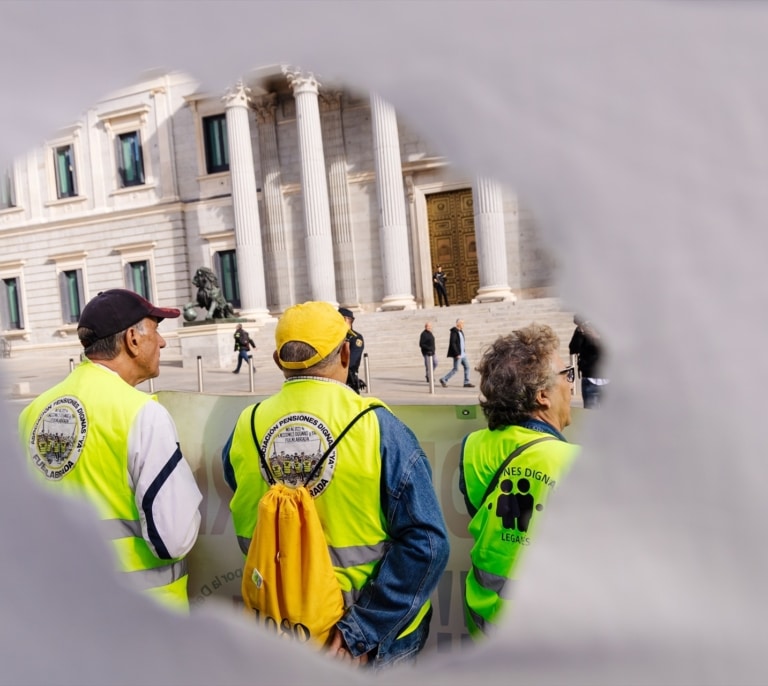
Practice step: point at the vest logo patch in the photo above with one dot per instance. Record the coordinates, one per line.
(293, 446)
(58, 437)
(515, 509)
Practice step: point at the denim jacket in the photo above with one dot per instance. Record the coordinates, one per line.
(415, 559)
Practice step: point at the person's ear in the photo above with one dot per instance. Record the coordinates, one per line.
(345, 355)
(543, 398)
(277, 360)
(131, 341)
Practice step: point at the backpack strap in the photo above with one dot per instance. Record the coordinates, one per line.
(262, 458)
(265, 466)
(500, 470)
(333, 445)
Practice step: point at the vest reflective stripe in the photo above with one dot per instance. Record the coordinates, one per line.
(120, 528)
(500, 528)
(100, 475)
(356, 538)
(145, 579)
(493, 582)
(476, 623)
(350, 597)
(351, 556)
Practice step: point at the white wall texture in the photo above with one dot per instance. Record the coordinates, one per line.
(181, 215)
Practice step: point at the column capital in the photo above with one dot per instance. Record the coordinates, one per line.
(265, 108)
(237, 96)
(329, 100)
(301, 81)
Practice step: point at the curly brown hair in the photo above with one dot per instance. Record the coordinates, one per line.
(512, 370)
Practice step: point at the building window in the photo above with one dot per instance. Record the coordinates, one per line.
(11, 305)
(7, 191)
(130, 162)
(138, 278)
(64, 164)
(216, 146)
(227, 267)
(71, 295)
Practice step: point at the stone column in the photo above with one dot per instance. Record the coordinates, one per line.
(250, 263)
(338, 187)
(393, 231)
(277, 263)
(317, 216)
(491, 241)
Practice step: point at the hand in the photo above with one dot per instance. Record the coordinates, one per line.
(338, 650)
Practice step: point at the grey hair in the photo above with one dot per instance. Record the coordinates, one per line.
(107, 348)
(298, 351)
(513, 370)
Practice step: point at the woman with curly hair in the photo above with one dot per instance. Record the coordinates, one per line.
(508, 470)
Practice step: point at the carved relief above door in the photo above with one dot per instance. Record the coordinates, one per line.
(452, 242)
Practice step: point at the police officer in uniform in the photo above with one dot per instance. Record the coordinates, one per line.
(356, 347)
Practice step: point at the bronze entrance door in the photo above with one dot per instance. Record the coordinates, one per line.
(452, 243)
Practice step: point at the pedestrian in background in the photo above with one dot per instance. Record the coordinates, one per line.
(427, 346)
(243, 344)
(586, 344)
(356, 348)
(457, 350)
(438, 278)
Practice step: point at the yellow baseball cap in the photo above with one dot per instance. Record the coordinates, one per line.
(315, 323)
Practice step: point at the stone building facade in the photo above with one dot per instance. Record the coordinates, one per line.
(289, 189)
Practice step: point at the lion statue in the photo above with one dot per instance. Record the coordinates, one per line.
(209, 297)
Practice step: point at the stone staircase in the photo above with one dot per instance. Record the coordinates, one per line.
(392, 338)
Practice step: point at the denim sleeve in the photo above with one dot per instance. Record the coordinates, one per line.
(418, 550)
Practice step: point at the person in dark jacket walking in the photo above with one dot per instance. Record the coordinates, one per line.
(457, 349)
(427, 346)
(243, 343)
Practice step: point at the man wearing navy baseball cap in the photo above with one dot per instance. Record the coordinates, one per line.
(96, 437)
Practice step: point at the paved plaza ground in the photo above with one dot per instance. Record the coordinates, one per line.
(401, 384)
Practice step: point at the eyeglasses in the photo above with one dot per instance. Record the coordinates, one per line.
(570, 373)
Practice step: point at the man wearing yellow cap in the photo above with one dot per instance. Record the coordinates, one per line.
(374, 495)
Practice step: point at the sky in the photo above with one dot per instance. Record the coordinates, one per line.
(636, 133)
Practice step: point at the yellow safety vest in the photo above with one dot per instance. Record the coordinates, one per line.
(502, 525)
(294, 426)
(88, 459)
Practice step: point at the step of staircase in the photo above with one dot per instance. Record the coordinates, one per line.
(392, 338)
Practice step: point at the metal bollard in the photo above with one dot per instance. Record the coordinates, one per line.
(71, 365)
(151, 385)
(367, 373)
(431, 375)
(574, 364)
(199, 374)
(251, 370)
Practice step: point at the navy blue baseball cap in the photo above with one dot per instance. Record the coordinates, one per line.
(116, 309)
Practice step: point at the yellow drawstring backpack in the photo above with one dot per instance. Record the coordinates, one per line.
(288, 579)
